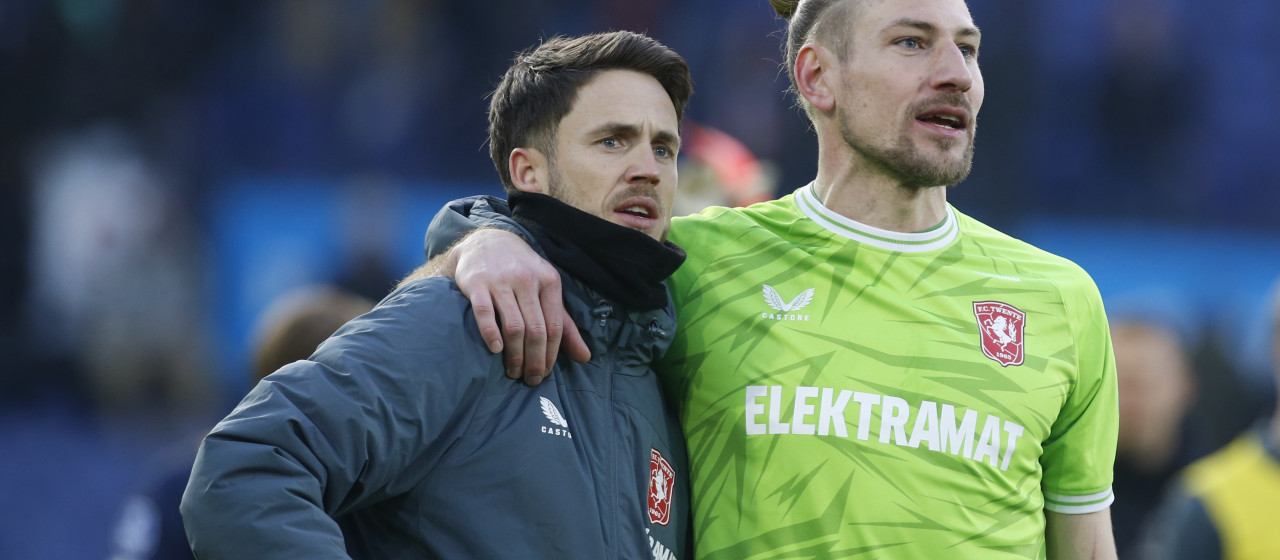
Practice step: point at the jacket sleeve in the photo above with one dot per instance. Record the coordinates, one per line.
(462, 216)
(360, 422)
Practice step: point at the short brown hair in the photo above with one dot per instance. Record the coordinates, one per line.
(543, 82)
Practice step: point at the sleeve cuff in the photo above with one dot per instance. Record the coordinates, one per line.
(1061, 503)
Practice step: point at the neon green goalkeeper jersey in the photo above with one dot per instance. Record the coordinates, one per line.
(850, 392)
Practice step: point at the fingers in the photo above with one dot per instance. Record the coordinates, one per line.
(483, 310)
(512, 334)
(516, 300)
(534, 341)
(573, 343)
(556, 315)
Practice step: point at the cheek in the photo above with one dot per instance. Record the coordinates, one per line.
(667, 187)
(977, 93)
(668, 199)
(586, 170)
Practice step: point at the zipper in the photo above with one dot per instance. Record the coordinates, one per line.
(655, 330)
(602, 312)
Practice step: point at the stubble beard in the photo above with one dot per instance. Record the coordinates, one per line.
(556, 190)
(904, 163)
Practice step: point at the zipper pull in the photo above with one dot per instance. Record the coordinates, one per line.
(655, 330)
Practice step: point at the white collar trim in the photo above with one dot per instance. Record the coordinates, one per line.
(919, 242)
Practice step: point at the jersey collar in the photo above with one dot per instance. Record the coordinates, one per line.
(919, 242)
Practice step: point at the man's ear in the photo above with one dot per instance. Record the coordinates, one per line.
(815, 76)
(529, 170)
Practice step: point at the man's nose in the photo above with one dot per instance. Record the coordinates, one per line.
(644, 167)
(952, 70)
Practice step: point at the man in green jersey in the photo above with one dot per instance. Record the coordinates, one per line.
(861, 370)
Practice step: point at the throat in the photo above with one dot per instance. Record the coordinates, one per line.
(880, 202)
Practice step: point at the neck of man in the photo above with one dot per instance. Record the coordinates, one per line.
(851, 187)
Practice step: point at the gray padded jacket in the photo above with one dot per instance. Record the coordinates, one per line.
(402, 438)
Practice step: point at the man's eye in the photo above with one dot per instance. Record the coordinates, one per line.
(969, 51)
(611, 143)
(662, 151)
(911, 43)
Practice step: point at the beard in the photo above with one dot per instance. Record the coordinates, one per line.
(555, 189)
(903, 162)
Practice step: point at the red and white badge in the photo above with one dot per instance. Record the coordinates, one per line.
(1001, 326)
(662, 484)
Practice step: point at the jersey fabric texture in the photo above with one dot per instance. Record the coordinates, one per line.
(402, 438)
(849, 392)
(1225, 505)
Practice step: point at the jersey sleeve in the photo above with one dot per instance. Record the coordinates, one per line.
(360, 422)
(1079, 455)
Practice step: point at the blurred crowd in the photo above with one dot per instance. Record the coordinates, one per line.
(125, 123)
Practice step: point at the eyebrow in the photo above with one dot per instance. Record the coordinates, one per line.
(624, 129)
(970, 31)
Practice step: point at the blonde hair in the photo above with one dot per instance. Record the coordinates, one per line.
(814, 21)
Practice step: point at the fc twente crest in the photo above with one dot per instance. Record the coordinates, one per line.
(1001, 326)
(662, 484)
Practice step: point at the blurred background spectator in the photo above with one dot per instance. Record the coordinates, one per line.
(1224, 506)
(1157, 390)
(168, 169)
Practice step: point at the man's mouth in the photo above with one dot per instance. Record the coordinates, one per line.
(635, 210)
(945, 117)
(638, 213)
(944, 121)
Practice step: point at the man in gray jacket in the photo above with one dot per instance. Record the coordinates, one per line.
(402, 438)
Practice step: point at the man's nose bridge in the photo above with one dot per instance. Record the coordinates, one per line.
(951, 67)
(643, 161)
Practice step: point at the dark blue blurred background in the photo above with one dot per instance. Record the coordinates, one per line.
(168, 168)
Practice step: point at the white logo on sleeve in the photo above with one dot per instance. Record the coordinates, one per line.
(788, 308)
(559, 424)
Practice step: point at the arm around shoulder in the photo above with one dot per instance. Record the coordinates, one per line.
(456, 223)
(476, 241)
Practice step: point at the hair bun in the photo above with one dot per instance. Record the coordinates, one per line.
(785, 8)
